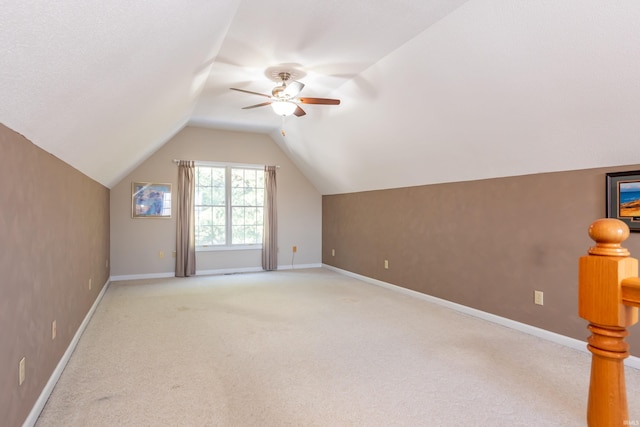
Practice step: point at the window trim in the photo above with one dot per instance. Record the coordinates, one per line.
(216, 248)
(228, 166)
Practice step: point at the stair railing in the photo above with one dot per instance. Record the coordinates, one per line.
(608, 297)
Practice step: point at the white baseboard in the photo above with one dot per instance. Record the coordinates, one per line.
(631, 361)
(220, 271)
(228, 271)
(141, 276)
(298, 266)
(55, 376)
(256, 269)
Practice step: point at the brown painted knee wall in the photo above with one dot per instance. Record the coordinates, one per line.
(486, 244)
(54, 229)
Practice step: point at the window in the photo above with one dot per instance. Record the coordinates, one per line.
(228, 206)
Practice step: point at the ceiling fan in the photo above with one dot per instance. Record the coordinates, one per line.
(283, 97)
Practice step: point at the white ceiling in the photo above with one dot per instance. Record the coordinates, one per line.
(432, 90)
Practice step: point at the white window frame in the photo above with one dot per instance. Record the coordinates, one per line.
(228, 246)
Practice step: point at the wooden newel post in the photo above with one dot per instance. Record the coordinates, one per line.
(600, 281)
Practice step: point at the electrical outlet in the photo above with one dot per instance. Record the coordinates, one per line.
(333, 252)
(295, 249)
(54, 330)
(22, 372)
(386, 264)
(538, 297)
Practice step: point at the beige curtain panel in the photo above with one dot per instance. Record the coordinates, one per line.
(270, 224)
(185, 220)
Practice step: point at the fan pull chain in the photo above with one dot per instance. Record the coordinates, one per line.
(282, 128)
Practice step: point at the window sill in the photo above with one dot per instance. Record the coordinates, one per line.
(229, 248)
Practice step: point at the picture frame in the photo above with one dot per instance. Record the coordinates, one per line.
(623, 198)
(150, 200)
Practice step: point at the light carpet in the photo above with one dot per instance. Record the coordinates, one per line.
(309, 348)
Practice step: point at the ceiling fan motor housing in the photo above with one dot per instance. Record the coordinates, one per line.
(279, 91)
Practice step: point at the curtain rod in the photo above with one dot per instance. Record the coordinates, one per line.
(176, 161)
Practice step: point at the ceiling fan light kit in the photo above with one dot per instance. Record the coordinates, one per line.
(284, 108)
(283, 97)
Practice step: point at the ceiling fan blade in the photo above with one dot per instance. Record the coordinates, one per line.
(323, 101)
(299, 112)
(248, 91)
(257, 105)
(292, 89)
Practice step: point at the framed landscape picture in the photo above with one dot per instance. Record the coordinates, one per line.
(623, 198)
(149, 200)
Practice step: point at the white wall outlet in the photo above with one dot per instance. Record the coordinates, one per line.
(54, 330)
(22, 372)
(386, 264)
(538, 297)
(333, 252)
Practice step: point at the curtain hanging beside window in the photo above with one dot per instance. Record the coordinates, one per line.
(270, 223)
(185, 219)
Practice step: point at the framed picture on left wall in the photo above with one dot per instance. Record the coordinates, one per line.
(150, 200)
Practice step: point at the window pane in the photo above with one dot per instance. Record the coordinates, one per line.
(250, 216)
(253, 235)
(203, 235)
(219, 215)
(203, 196)
(237, 235)
(203, 176)
(217, 177)
(237, 177)
(237, 216)
(250, 178)
(217, 196)
(250, 197)
(204, 215)
(237, 196)
(218, 235)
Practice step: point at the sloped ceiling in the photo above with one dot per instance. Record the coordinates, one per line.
(432, 90)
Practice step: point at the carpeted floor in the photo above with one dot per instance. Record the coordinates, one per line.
(309, 348)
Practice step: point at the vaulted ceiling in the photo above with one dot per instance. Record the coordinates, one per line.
(432, 90)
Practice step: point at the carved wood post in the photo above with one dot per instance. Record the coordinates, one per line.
(600, 301)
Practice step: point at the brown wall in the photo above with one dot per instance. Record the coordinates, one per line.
(54, 229)
(484, 244)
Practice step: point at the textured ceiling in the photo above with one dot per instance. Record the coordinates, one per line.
(432, 91)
